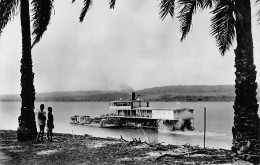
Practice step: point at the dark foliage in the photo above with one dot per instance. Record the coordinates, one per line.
(7, 11)
(258, 12)
(167, 7)
(223, 24)
(112, 4)
(86, 6)
(185, 16)
(42, 10)
(41, 18)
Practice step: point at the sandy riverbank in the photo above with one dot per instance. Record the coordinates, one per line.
(85, 150)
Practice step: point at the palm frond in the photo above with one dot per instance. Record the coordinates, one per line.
(42, 10)
(86, 7)
(202, 4)
(223, 24)
(258, 12)
(185, 15)
(166, 7)
(188, 8)
(208, 3)
(7, 11)
(112, 4)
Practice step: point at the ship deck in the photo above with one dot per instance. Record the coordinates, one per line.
(136, 117)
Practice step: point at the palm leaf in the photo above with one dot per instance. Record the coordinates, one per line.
(223, 24)
(7, 11)
(185, 16)
(166, 7)
(203, 4)
(41, 18)
(86, 7)
(258, 12)
(188, 8)
(112, 4)
(208, 3)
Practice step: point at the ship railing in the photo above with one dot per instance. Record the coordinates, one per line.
(135, 115)
(137, 106)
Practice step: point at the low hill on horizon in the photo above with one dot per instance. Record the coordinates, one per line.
(164, 93)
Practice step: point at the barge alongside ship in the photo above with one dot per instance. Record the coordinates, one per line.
(136, 113)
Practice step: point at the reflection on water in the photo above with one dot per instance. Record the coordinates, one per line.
(219, 122)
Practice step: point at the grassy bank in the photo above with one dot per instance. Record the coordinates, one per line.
(85, 150)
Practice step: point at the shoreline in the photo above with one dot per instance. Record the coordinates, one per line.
(107, 101)
(85, 149)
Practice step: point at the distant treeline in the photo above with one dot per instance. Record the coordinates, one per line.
(188, 89)
(111, 97)
(76, 97)
(103, 97)
(164, 94)
(167, 98)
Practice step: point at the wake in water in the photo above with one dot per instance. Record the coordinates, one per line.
(195, 133)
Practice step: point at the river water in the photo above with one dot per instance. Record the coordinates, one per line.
(218, 124)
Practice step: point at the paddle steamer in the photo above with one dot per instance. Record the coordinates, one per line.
(137, 113)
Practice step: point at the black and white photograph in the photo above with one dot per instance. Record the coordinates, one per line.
(129, 82)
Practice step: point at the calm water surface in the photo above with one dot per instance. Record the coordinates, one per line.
(219, 122)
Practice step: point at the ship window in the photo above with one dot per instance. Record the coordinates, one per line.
(136, 104)
(122, 104)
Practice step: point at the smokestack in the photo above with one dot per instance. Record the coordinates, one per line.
(133, 95)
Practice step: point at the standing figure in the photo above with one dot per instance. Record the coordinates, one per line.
(41, 122)
(50, 124)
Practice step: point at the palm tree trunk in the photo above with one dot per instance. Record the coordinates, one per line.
(27, 127)
(246, 121)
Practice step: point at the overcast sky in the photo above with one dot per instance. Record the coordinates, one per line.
(129, 46)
